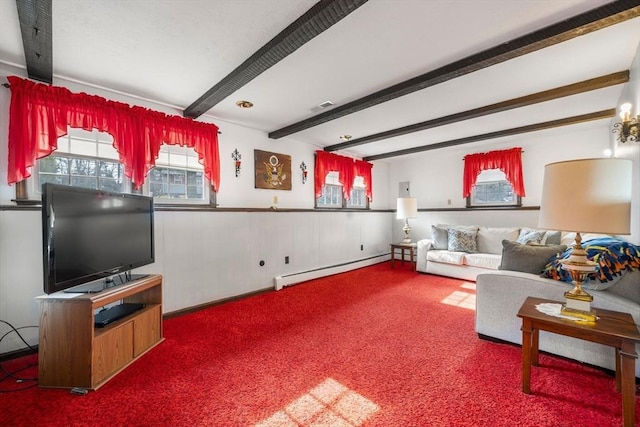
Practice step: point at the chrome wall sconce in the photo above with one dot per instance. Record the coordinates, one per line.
(627, 130)
(236, 156)
(303, 168)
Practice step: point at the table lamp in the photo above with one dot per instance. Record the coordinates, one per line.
(407, 208)
(585, 196)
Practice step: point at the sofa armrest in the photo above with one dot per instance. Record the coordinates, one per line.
(421, 257)
(499, 295)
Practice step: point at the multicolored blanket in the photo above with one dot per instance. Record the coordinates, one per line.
(612, 256)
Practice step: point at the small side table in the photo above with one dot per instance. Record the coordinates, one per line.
(411, 247)
(614, 329)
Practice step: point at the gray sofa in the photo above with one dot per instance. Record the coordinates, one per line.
(499, 295)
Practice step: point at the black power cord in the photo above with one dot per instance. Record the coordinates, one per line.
(13, 375)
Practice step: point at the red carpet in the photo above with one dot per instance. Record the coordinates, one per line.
(372, 347)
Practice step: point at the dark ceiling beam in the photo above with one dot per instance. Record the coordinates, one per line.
(590, 21)
(320, 17)
(37, 38)
(613, 79)
(599, 115)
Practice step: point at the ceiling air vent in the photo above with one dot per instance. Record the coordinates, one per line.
(325, 104)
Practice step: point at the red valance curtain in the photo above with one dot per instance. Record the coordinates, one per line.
(363, 169)
(40, 114)
(347, 170)
(508, 161)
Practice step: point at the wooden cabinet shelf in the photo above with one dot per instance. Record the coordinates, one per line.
(74, 353)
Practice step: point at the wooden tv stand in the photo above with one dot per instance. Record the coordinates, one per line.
(74, 353)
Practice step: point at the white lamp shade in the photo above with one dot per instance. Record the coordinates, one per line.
(407, 208)
(587, 196)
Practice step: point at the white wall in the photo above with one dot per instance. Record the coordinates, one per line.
(204, 256)
(436, 176)
(631, 150)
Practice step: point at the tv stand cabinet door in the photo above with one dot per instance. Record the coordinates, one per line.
(112, 351)
(147, 330)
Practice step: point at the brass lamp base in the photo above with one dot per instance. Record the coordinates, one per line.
(585, 316)
(579, 306)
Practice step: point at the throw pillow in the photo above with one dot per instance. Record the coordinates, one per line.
(462, 240)
(440, 237)
(528, 235)
(527, 258)
(490, 238)
(552, 238)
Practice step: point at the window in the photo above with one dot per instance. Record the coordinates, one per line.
(83, 159)
(177, 176)
(358, 195)
(332, 194)
(493, 189)
(80, 172)
(88, 159)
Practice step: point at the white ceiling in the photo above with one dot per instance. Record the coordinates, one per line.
(172, 51)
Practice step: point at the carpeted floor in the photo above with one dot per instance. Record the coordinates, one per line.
(372, 347)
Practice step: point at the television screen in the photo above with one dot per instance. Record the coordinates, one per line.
(92, 234)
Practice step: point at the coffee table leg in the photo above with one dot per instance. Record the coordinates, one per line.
(393, 252)
(526, 355)
(628, 358)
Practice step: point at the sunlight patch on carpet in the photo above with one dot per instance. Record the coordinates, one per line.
(469, 285)
(461, 299)
(329, 403)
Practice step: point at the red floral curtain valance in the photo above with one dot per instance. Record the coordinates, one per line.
(508, 161)
(40, 114)
(347, 170)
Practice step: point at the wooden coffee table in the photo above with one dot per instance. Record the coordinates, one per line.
(411, 247)
(613, 328)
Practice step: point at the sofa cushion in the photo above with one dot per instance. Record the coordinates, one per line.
(440, 237)
(489, 261)
(490, 239)
(628, 286)
(527, 235)
(447, 257)
(462, 240)
(527, 258)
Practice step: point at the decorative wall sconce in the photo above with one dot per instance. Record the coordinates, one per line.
(628, 128)
(303, 168)
(237, 156)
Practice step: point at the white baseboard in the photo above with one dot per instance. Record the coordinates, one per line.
(294, 278)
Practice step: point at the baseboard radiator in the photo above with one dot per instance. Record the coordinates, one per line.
(294, 278)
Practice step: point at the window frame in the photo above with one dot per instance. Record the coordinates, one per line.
(471, 199)
(164, 161)
(332, 180)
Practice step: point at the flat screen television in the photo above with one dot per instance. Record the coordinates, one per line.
(89, 236)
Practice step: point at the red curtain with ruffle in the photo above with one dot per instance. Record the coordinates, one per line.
(40, 114)
(363, 169)
(347, 170)
(508, 161)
